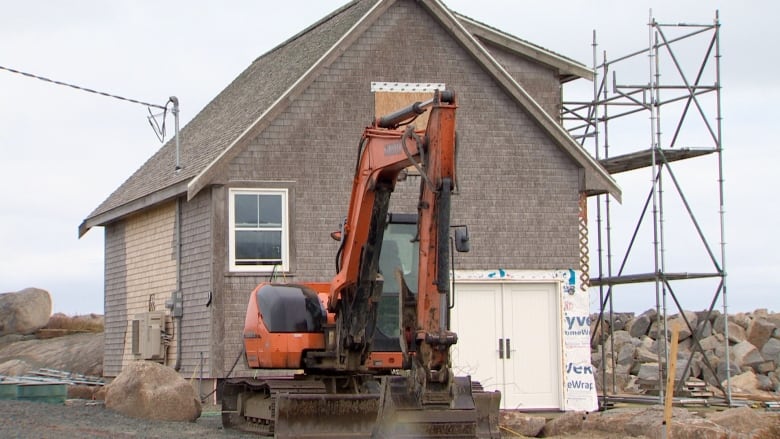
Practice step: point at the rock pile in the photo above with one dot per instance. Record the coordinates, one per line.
(646, 422)
(633, 344)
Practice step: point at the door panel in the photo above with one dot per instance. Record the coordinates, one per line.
(475, 320)
(531, 324)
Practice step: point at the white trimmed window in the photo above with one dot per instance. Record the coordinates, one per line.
(259, 230)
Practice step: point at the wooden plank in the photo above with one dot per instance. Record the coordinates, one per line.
(670, 379)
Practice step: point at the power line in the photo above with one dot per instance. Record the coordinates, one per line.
(82, 88)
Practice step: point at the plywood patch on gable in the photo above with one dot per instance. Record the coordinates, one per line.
(392, 96)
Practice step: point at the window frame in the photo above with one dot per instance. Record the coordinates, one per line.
(285, 230)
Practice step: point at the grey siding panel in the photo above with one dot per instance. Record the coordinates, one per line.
(539, 81)
(196, 284)
(518, 191)
(115, 299)
(219, 232)
(237, 290)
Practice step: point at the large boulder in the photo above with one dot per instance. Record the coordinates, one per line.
(695, 428)
(745, 382)
(705, 329)
(565, 423)
(78, 353)
(14, 367)
(644, 355)
(638, 326)
(148, 390)
(746, 422)
(25, 311)
(771, 349)
(619, 320)
(712, 342)
(737, 332)
(648, 422)
(625, 355)
(618, 339)
(759, 332)
(679, 321)
(745, 354)
(522, 423)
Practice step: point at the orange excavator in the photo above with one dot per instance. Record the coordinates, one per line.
(315, 346)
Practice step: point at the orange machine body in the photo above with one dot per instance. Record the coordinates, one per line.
(273, 344)
(285, 350)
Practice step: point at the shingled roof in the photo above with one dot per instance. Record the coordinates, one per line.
(261, 91)
(568, 69)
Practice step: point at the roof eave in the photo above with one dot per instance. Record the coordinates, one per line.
(568, 69)
(132, 207)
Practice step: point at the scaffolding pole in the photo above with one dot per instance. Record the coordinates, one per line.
(591, 122)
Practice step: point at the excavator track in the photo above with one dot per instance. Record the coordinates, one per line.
(250, 404)
(307, 408)
(296, 408)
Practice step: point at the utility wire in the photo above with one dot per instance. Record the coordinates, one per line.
(82, 88)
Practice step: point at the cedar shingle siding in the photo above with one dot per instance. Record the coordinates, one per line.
(539, 81)
(518, 186)
(140, 270)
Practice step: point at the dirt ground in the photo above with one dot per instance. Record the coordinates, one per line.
(90, 419)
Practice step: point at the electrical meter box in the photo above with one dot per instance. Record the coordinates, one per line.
(148, 333)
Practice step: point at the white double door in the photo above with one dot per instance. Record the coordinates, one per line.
(509, 339)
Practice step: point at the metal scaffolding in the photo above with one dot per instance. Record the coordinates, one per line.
(620, 109)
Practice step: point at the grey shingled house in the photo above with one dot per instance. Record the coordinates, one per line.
(284, 133)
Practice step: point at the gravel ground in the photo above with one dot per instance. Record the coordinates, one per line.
(22, 419)
(82, 419)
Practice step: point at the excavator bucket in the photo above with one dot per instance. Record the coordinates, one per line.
(326, 415)
(488, 405)
(287, 409)
(468, 414)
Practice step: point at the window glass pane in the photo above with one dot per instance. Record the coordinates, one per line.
(270, 210)
(258, 229)
(255, 247)
(246, 210)
(399, 252)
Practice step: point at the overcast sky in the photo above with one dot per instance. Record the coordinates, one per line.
(64, 151)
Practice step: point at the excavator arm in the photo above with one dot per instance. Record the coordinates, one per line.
(355, 290)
